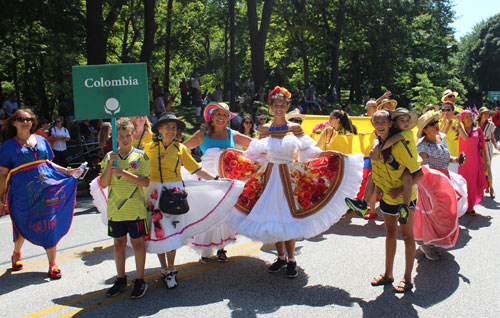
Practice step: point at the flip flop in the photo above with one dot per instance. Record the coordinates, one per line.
(381, 280)
(403, 287)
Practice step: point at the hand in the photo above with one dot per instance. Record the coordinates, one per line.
(461, 158)
(394, 193)
(73, 172)
(446, 122)
(459, 119)
(225, 179)
(114, 156)
(375, 153)
(387, 94)
(337, 154)
(117, 170)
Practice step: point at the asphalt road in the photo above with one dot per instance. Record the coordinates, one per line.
(335, 270)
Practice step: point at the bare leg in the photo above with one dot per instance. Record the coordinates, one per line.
(171, 260)
(140, 256)
(407, 233)
(391, 228)
(280, 248)
(163, 260)
(407, 179)
(290, 248)
(372, 201)
(18, 244)
(119, 250)
(370, 189)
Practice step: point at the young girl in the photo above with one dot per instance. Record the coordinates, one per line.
(340, 124)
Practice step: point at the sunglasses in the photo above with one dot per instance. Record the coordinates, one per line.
(298, 121)
(247, 122)
(446, 110)
(24, 119)
(432, 123)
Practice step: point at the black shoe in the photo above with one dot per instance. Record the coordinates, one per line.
(404, 211)
(291, 270)
(277, 265)
(119, 285)
(358, 206)
(140, 288)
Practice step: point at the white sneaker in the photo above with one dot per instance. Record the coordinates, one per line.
(170, 279)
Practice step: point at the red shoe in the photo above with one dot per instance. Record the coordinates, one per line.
(370, 215)
(472, 212)
(17, 263)
(54, 272)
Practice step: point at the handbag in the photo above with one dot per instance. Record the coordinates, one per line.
(171, 202)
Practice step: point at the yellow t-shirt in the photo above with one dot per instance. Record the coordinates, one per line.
(125, 198)
(172, 158)
(147, 138)
(387, 175)
(451, 136)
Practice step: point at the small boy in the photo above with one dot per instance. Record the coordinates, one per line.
(126, 209)
(404, 120)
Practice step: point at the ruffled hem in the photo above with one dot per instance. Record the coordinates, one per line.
(269, 231)
(100, 198)
(208, 242)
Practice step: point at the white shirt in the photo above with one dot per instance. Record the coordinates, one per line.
(59, 145)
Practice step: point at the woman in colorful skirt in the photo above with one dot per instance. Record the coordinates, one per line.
(285, 200)
(209, 202)
(40, 195)
(441, 193)
(489, 137)
(473, 145)
(214, 136)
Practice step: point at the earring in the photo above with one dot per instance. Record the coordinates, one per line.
(160, 137)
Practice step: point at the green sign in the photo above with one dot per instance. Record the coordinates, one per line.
(494, 95)
(110, 91)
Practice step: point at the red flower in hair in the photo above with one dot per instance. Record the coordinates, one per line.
(279, 90)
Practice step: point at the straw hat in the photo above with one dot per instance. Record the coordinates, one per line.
(403, 111)
(296, 114)
(165, 118)
(424, 120)
(447, 93)
(484, 109)
(207, 113)
(392, 103)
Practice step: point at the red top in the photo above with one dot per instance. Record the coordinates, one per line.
(41, 132)
(496, 118)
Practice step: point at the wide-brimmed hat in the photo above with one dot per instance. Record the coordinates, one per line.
(447, 93)
(484, 109)
(296, 114)
(424, 120)
(165, 118)
(392, 102)
(207, 113)
(403, 111)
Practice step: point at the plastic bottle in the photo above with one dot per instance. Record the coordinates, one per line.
(81, 170)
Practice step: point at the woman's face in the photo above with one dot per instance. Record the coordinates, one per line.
(468, 120)
(484, 116)
(247, 123)
(220, 118)
(59, 122)
(140, 121)
(168, 131)
(382, 124)
(335, 122)
(279, 107)
(23, 122)
(432, 128)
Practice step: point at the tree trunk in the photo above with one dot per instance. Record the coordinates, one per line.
(150, 28)
(258, 37)
(96, 43)
(305, 60)
(339, 21)
(124, 55)
(166, 78)
(356, 78)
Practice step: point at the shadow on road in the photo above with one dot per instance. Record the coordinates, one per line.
(490, 203)
(10, 282)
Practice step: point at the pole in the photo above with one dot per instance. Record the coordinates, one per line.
(113, 138)
(232, 57)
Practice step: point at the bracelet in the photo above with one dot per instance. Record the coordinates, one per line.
(216, 177)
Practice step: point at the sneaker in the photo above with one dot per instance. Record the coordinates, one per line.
(358, 206)
(221, 256)
(140, 288)
(277, 265)
(119, 285)
(206, 260)
(370, 215)
(429, 252)
(170, 279)
(291, 270)
(404, 211)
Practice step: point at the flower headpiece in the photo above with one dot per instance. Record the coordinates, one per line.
(279, 90)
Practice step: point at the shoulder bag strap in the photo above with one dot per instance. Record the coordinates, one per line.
(159, 163)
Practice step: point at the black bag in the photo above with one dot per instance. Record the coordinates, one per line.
(174, 203)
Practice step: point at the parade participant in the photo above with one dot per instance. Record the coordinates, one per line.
(142, 134)
(473, 145)
(436, 216)
(104, 140)
(449, 96)
(246, 128)
(59, 135)
(449, 126)
(295, 116)
(340, 124)
(389, 104)
(403, 122)
(209, 202)
(490, 142)
(126, 210)
(387, 173)
(40, 195)
(286, 200)
(496, 121)
(215, 135)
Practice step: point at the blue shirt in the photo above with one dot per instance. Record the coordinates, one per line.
(217, 143)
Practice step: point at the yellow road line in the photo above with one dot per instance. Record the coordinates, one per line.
(103, 291)
(157, 284)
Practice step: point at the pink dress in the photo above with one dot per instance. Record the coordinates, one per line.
(472, 170)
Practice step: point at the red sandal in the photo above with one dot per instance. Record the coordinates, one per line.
(54, 272)
(17, 263)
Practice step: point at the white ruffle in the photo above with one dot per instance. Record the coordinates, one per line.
(460, 186)
(209, 203)
(270, 219)
(100, 198)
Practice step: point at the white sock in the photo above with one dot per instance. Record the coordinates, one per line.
(291, 259)
(282, 257)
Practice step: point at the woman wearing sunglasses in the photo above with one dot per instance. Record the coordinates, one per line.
(448, 125)
(40, 195)
(246, 128)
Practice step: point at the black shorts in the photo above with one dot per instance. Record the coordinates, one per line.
(136, 229)
(393, 209)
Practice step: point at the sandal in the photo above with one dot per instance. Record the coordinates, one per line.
(472, 212)
(206, 260)
(403, 286)
(221, 256)
(17, 263)
(54, 271)
(381, 279)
